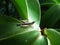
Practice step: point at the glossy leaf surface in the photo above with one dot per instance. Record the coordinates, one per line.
(47, 2)
(8, 26)
(51, 15)
(26, 38)
(20, 5)
(11, 34)
(7, 19)
(41, 40)
(33, 8)
(53, 36)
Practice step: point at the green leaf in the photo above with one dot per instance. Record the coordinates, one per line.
(41, 40)
(34, 12)
(47, 2)
(26, 38)
(57, 30)
(57, 25)
(29, 9)
(50, 18)
(7, 19)
(8, 26)
(20, 5)
(57, 1)
(53, 36)
(11, 34)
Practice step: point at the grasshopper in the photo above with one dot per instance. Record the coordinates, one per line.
(25, 24)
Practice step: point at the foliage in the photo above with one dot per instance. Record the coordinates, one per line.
(16, 17)
(50, 14)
